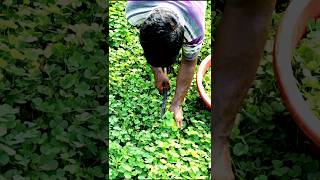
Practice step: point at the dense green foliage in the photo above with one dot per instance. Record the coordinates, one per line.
(142, 144)
(52, 90)
(266, 143)
(207, 82)
(307, 66)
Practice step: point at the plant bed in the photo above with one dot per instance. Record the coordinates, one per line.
(53, 90)
(142, 144)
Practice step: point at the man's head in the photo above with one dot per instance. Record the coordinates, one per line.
(161, 37)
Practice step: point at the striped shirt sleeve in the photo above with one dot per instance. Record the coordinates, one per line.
(191, 50)
(194, 29)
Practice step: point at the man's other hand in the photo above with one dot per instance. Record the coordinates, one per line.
(161, 80)
(178, 114)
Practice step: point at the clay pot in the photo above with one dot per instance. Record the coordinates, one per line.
(291, 30)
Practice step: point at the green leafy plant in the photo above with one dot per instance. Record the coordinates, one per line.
(207, 82)
(52, 90)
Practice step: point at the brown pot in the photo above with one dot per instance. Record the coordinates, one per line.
(292, 29)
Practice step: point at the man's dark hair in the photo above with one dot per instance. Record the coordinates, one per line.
(161, 37)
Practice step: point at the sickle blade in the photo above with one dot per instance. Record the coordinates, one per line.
(164, 102)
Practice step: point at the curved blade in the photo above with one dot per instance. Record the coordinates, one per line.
(164, 102)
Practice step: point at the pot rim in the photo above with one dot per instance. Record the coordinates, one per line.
(202, 70)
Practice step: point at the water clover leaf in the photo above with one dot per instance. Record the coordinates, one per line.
(127, 167)
(68, 80)
(4, 158)
(168, 115)
(295, 171)
(261, 177)
(7, 149)
(3, 129)
(240, 149)
(7, 24)
(169, 121)
(83, 89)
(49, 165)
(16, 54)
(6, 109)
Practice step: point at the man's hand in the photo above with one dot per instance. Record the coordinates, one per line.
(161, 80)
(178, 114)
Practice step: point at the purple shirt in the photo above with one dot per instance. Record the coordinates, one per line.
(191, 15)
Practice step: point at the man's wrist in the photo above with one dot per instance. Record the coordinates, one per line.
(156, 70)
(176, 103)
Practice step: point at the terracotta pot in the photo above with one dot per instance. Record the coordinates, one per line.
(204, 66)
(292, 29)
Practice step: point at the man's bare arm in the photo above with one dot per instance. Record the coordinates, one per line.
(183, 83)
